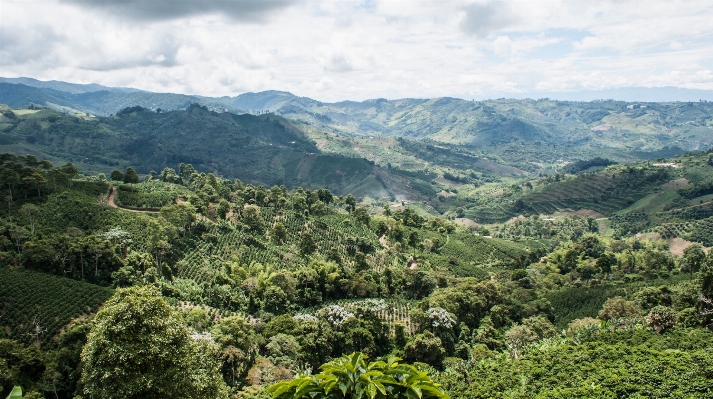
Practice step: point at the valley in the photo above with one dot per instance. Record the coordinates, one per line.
(501, 248)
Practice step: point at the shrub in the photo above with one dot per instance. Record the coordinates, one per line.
(661, 319)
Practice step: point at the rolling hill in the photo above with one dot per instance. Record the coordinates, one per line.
(264, 149)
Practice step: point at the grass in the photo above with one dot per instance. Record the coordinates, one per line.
(653, 202)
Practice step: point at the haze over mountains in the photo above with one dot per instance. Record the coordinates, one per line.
(370, 148)
(271, 100)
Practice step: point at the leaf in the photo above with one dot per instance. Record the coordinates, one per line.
(371, 390)
(279, 389)
(416, 390)
(16, 393)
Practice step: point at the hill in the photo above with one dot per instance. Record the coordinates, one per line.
(538, 133)
(265, 149)
(73, 88)
(71, 99)
(270, 281)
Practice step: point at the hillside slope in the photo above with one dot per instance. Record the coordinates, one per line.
(264, 149)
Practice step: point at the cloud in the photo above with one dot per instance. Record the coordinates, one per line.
(336, 50)
(241, 10)
(336, 63)
(481, 19)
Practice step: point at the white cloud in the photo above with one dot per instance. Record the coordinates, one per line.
(336, 50)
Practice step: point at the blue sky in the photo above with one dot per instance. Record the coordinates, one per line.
(337, 50)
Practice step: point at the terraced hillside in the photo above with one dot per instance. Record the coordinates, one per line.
(34, 307)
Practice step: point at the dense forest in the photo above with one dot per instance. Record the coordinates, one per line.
(592, 282)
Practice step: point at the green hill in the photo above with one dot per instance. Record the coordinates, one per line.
(270, 281)
(36, 306)
(264, 149)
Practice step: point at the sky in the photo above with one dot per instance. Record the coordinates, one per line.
(356, 50)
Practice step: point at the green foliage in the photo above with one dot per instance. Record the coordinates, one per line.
(351, 376)
(36, 306)
(240, 260)
(16, 393)
(149, 195)
(139, 348)
(130, 176)
(570, 303)
(623, 364)
(661, 319)
(425, 348)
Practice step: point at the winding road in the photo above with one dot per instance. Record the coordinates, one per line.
(112, 203)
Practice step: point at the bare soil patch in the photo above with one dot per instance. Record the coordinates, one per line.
(678, 245)
(581, 212)
(465, 221)
(445, 193)
(676, 184)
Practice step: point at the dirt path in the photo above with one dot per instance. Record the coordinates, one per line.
(113, 204)
(692, 206)
(382, 240)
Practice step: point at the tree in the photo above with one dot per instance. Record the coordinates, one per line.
(238, 344)
(31, 212)
(617, 308)
(318, 209)
(351, 376)
(325, 196)
(275, 196)
(361, 215)
(278, 233)
(606, 262)
(307, 244)
(181, 216)
(705, 279)
(130, 176)
(425, 348)
(139, 347)
(35, 181)
(223, 208)
(275, 300)
(661, 318)
(350, 201)
(693, 258)
(252, 219)
(517, 338)
(116, 175)
(360, 264)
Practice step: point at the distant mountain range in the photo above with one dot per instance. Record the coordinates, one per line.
(491, 136)
(630, 94)
(272, 100)
(73, 88)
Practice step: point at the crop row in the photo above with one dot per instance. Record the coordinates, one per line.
(35, 306)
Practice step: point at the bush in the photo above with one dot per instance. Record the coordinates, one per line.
(661, 319)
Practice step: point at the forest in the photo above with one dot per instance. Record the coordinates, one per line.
(592, 282)
(186, 284)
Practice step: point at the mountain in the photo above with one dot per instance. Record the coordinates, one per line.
(532, 136)
(73, 88)
(264, 149)
(101, 102)
(630, 94)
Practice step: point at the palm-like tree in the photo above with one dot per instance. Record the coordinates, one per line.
(351, 377)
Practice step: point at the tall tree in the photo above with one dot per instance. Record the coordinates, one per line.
(116, 175)
(307, 244)
(131, 176)
(693, 257)
(140, 348)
